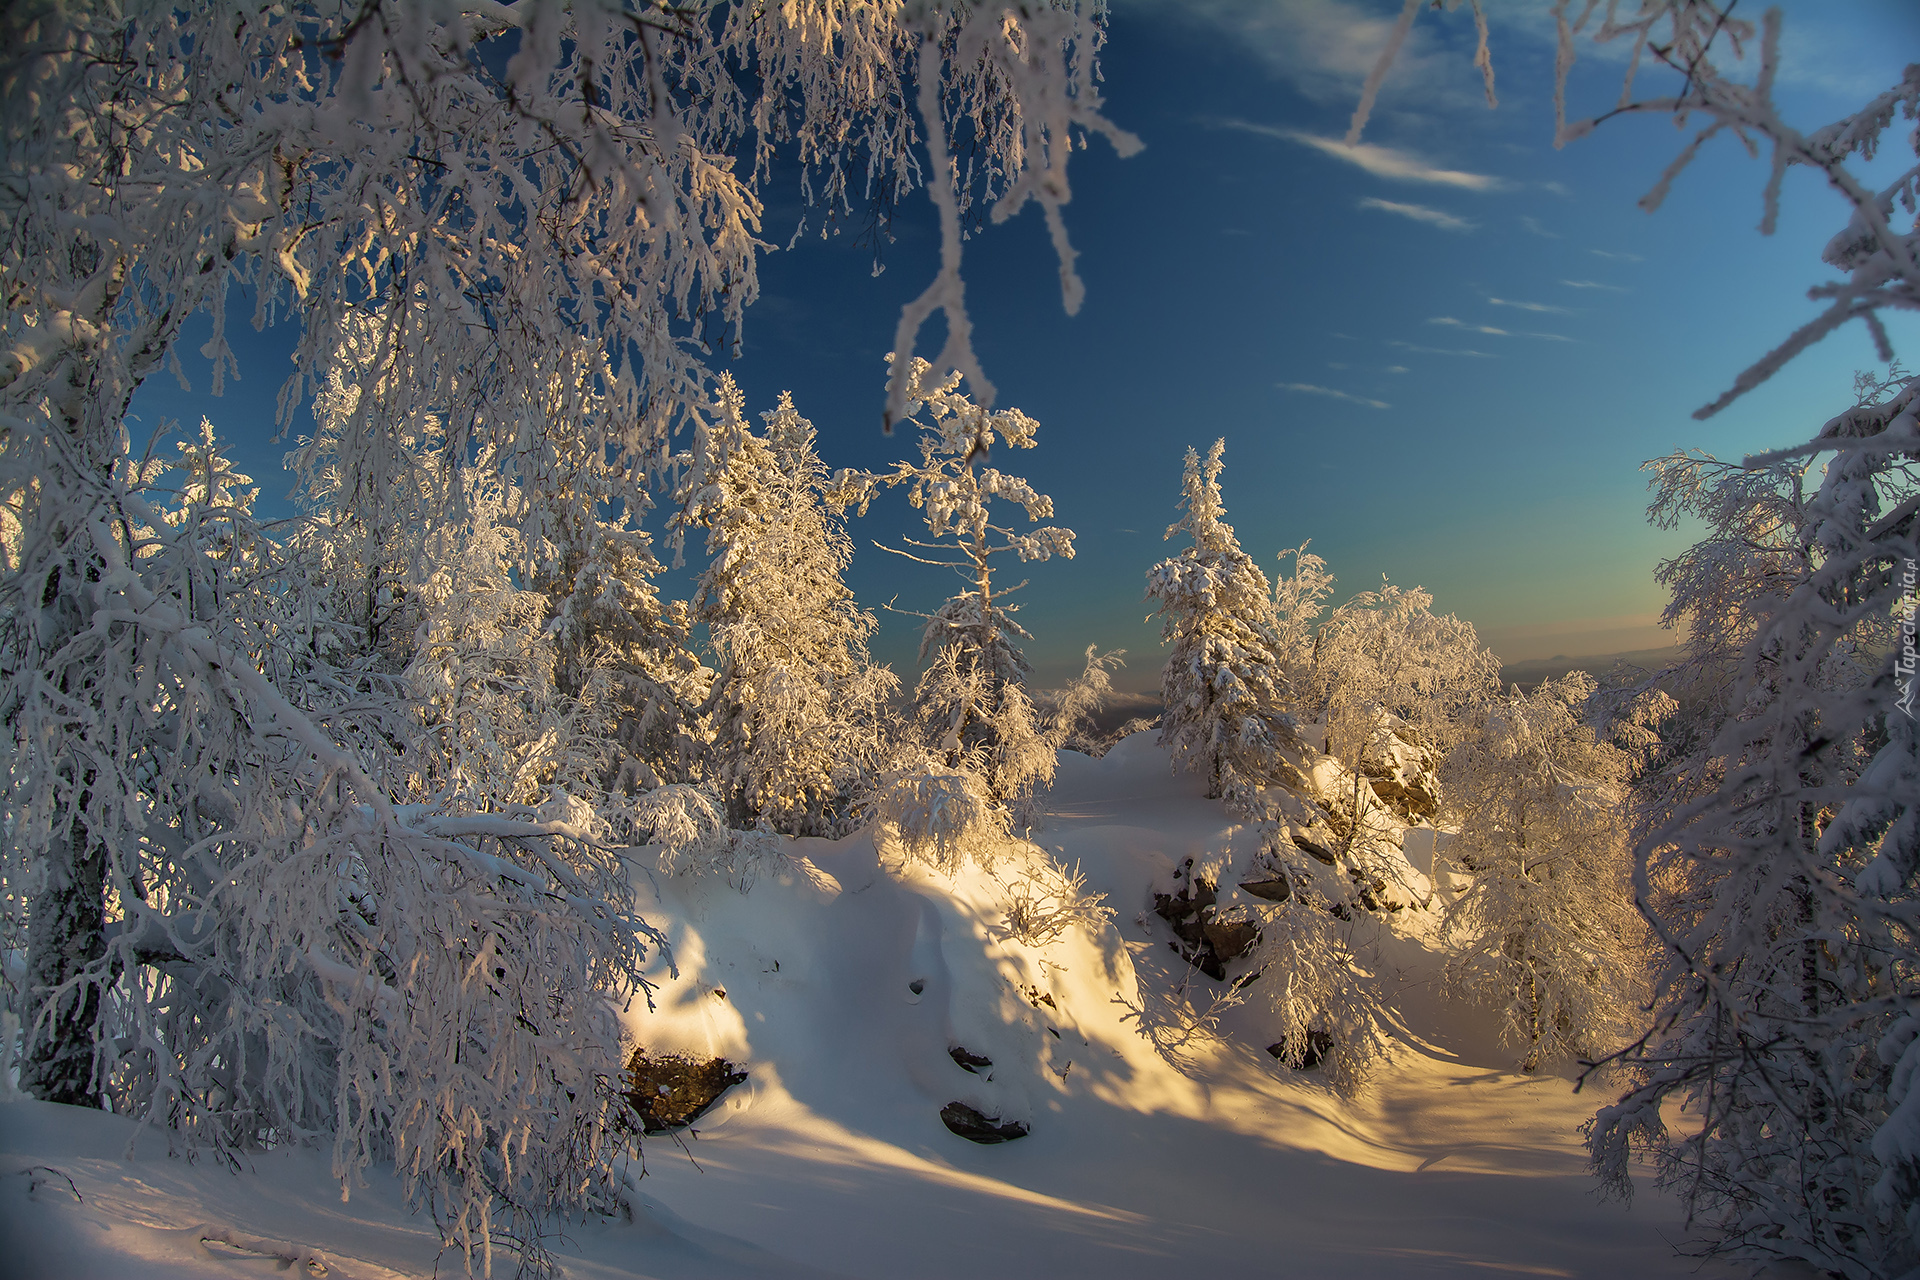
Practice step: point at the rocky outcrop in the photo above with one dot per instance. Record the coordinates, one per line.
(974, 1127)
(669, 1091)
(1208, 940)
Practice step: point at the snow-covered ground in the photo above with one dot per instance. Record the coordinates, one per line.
(1172, 1152)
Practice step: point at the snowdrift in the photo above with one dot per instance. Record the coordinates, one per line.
(1162, 1135)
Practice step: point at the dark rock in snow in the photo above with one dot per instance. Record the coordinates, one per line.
(671, 1091)
(974, 1127)
(1231, 939)
(1312, 1054)
(1275, 890)
(1316, 849)
(1206, 943)
(968, 1061)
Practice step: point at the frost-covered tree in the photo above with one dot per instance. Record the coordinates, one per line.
(1223, 685)
(1784, 895)
(1547, 927)
(1784, 889)
(261, 915)
(1387, 651)
(798, 709)
(1328, 1006)
(534, 193)
(970, 703)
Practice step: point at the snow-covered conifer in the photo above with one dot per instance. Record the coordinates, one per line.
(1548, 929)
(970, 703)
(797, 707)
(1222, 685)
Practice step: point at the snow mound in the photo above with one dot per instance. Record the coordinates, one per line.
(862, 999)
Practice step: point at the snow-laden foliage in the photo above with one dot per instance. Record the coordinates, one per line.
(1328, 1007)
(240, 924)
(942, 819)
(1785, 895)
(1548, 927)
(1780, 863)
(1223, 684)
(1299, 598)
(1045, 898)
(511, 227)
(798, 711)
(1386, 651)
(970, 703)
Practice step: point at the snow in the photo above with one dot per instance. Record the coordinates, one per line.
(832, 1160)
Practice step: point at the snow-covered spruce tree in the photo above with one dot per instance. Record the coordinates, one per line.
(971, 705)
(1223, 685)
(798, 709)
(1785, 896)
(1547, 928)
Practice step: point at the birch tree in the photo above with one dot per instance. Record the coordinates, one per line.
(1547, 925)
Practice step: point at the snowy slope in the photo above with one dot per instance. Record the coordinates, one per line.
(1144, 1159)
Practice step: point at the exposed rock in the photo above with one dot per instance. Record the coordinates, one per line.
(1315, 847)
(1231, 939)
(1205, 941)
(974, 1127)
(1312, 1054)
(1278, 889)
(967, 1060)
(670, 1091)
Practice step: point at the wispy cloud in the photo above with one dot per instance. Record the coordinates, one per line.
(1453, 323)
(1396, 368)
(1329, 392)
(1381, 162)
(1533, 225)
(1616, 257)
(1531, 306)
(1440, 351)
(1558, 188)
(1594, 284)
(1325, 48)
(1419, 213)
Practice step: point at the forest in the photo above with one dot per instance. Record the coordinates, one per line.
(387, 832)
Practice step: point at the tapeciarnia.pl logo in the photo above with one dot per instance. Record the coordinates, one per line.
(1903, 665)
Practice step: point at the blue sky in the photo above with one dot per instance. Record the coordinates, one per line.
(1444, 365)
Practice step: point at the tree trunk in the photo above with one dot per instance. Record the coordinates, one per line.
(66, 936)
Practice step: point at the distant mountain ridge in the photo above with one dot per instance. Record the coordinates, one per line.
(1533, 671)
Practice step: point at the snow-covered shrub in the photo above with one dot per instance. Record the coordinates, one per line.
(942, 819)
(1326, 1002)
(1046, 898)
(1547, 926)
(687, 823)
